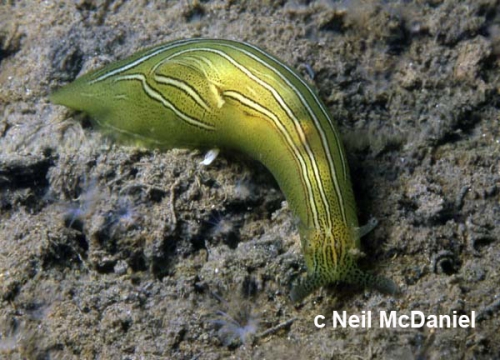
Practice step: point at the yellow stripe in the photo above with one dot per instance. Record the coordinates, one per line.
(283, 104)
(284, 132)
(302, 138)
(317, 125)
(158, 97)
(130, 65)
(298, 128)
(166, 80)
(311, 112)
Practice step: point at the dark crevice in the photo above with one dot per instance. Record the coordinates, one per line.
(194, 13)
(67, 60)
(335, 24)
(10, 44)
(25, 172)
(399, 39)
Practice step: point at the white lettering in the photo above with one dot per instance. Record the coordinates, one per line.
(401, 323)
(432, 321)
(414, 315)
(463, 321)
(391, 319)
(354, 321)
(388, 322)
(317, 323)
(442, 319)
(342, 320)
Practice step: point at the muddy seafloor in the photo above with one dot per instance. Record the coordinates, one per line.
(115, 252)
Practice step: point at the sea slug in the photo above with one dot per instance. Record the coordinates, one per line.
(219, 94)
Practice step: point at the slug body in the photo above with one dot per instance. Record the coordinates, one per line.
(208, 93)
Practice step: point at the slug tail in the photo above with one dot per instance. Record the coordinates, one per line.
(356, 277)
(305, 287)
(372, 281)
